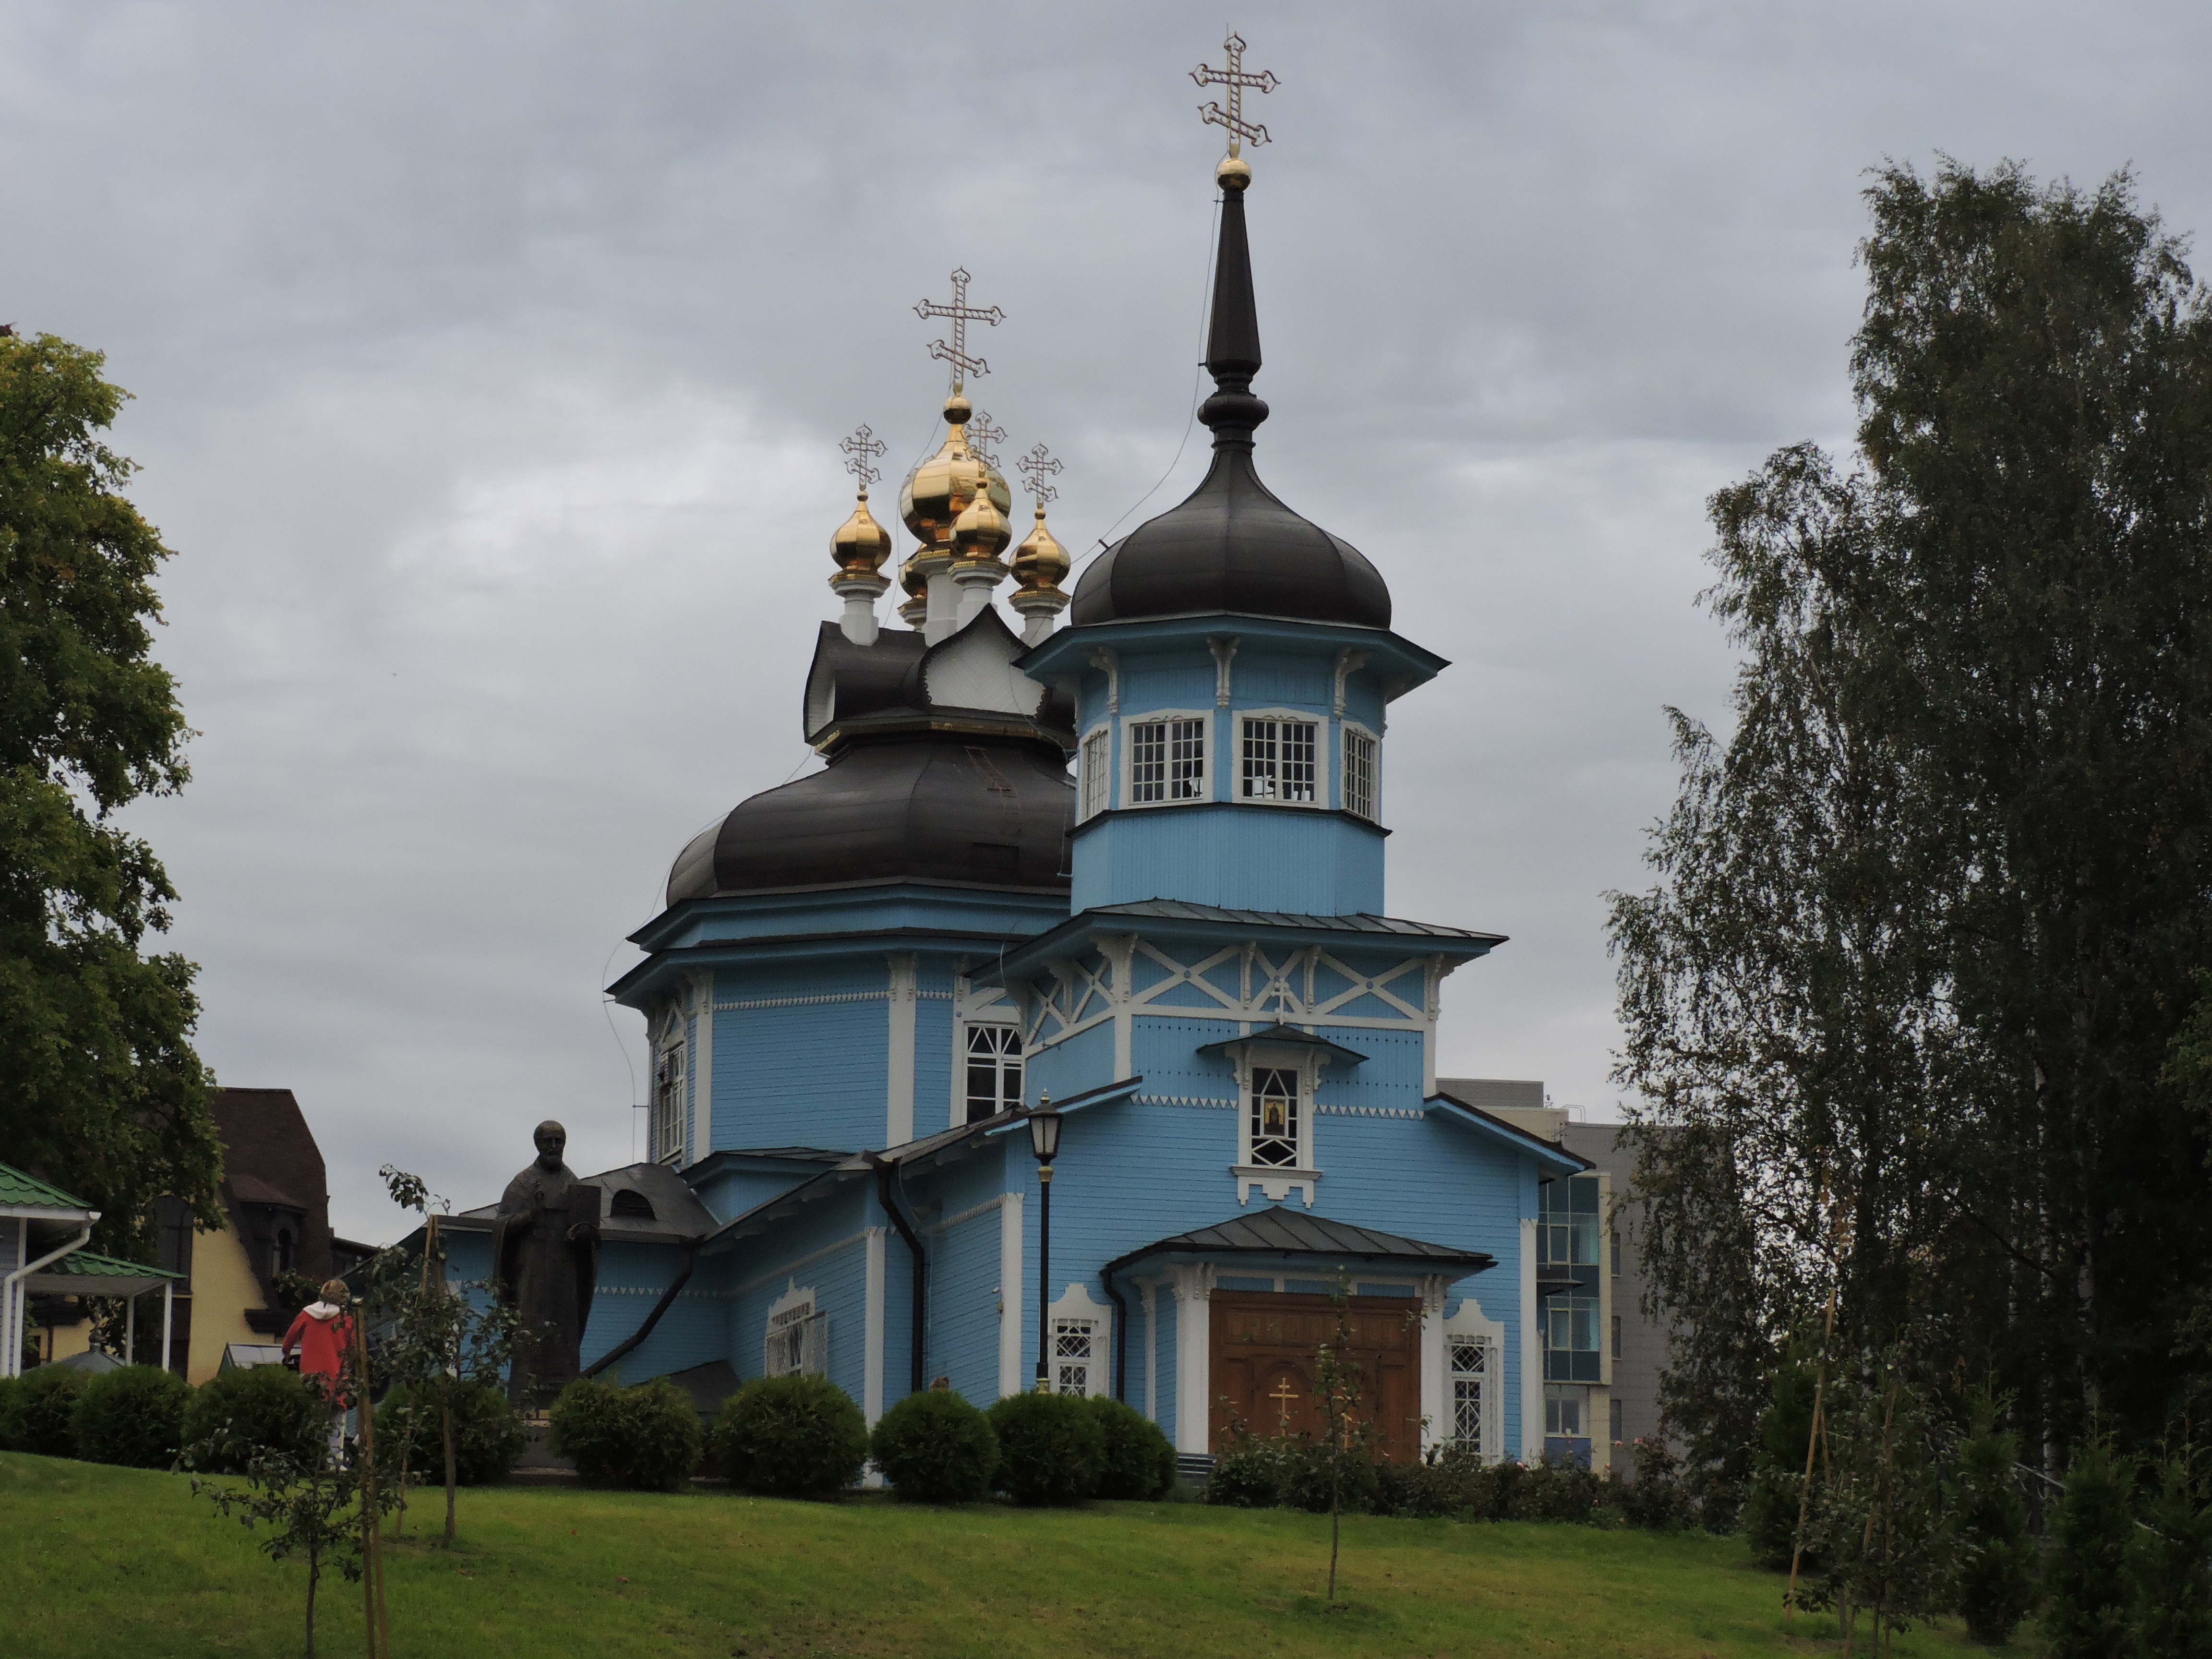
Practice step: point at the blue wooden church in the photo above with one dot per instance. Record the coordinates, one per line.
(867, 983)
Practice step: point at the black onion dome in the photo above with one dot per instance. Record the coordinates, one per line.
(1232, 546)
(936, 806)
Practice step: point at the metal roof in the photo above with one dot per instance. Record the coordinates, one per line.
(1279, 1230)
(22, 1191)
(83, 1273)
(1183, 910)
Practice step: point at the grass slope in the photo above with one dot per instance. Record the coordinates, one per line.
(105, 1561)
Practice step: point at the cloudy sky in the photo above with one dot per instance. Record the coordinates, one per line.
(490, 361)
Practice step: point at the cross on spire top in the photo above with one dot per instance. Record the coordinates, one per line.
(983, 437)
(1241, 131)
(1035, 467)
(862, 447)
(962, 314)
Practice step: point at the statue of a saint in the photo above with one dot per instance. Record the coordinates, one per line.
(546, 1254)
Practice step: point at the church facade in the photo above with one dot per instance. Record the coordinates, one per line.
(1129, 866)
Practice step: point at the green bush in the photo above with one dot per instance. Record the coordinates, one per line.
(133, 1415)
(1450, 1480)
(2086, 1576)
(2170, 1560)
(791, 1437)
(1247, 1477)
(647, 1439)
(1050, 1448)
(1658, 1499)
(237, 1413)
(1996, 1556)
(936, 1447)
(488, 1435)
(1138, 1460)
(39, 1415)
(8, 1387)
(1307, 1484)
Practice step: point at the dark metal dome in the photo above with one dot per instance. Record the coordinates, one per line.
(916, 806)
(1232, 546)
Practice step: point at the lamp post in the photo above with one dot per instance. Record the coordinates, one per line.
(1044, 1141)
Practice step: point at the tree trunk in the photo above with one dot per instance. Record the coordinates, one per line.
(446, 1423)
(314, 1572)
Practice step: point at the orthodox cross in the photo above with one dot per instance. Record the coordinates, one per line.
(961, 314)
(983, 437)
(1036, 466)
(1283, 1395)
(1234, 78)
(862, 447)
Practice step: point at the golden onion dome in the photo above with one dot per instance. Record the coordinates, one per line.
(981, 533)
(860, 545)
(1040, 563)
(912, 581)
(938, 491)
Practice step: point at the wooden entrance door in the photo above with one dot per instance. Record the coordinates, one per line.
(1263, 1365)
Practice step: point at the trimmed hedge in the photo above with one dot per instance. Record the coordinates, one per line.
(40, 1409)
(1138, 1461)
(791, 1437)
(488, 1435)
(1050, 1448)
(647, 1439)
(936, 1447)
(236, 1414)
(133, 1415)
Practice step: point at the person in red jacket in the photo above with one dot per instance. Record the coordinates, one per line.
(323, 1334)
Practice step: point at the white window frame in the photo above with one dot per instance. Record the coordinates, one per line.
(1349, 731)
(795, 1339)
(1095, 772)
(1470, 1325)
(1017, 1062)
(1323, 746)
(1277, 1181)
(1082, 1344)
(668, 1122)
(1202, 785)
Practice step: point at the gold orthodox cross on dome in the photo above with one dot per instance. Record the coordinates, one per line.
(961, 314)
(1036, 466)
(1241, 131)
(862, 447)
(983, 437)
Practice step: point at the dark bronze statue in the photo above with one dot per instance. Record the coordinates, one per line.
(546, 1252)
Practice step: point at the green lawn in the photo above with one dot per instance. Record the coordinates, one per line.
(103, 1561)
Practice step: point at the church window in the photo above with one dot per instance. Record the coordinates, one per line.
(994, 1071)
(1074, 1343)
(1167, 761)
(1275, 1116)
(797, 1341)
(1278, 759)
(1358, 772)
(1097, 774)
(1470, 1376)
(668, 1103)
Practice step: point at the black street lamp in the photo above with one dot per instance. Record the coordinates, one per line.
(1044, 1141)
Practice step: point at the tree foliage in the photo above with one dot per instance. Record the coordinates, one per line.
(106, 1094)
(1927, 919)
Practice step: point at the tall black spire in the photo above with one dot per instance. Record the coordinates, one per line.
(1232, 341)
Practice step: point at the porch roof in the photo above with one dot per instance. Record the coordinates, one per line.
(1281, 1231)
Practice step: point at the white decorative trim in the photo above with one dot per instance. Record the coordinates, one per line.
(988, 1207)
(1147, 1294)
(1192, 1282)
(871, 1380)
(1224, 653)
(1104, 659)
(1348, 663)
(1120, 952)
(898, 1106)
(1374, 1111)
(1277, 1184)
(1471, 1320)
(703, 1067)
(1009, 1294)
(1532, 1350)
(800, 1002)
(1436, 1388)
(1182, 1100)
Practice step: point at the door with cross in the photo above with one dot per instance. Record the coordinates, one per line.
(1263, 1350)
